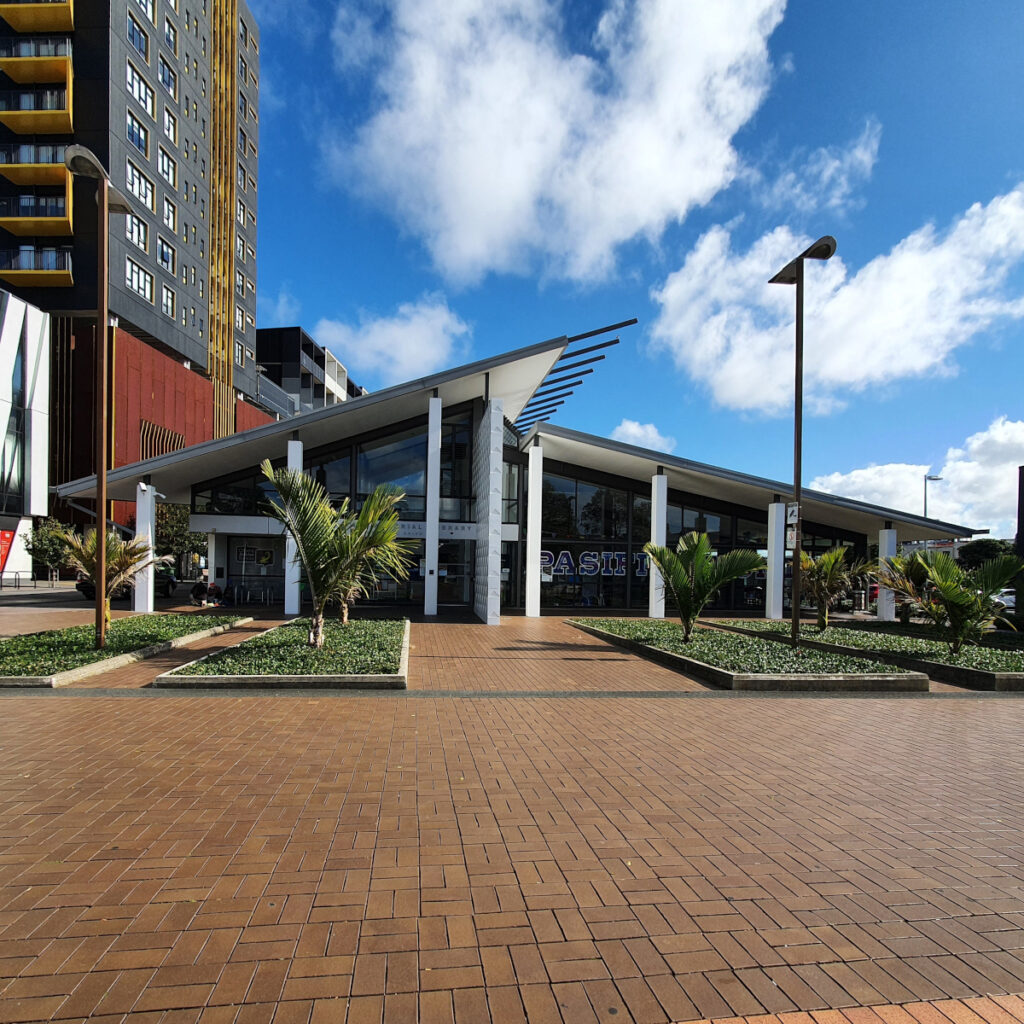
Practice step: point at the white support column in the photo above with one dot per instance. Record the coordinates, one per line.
(776, 560)
(659, 533)
(211, 557)
(886, 598)
(487, 480)
(145, 529)
(292, 568)
(534, 509)
(433, 505)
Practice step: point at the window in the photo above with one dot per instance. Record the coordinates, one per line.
(242, 106)
(168, 79)
(171, 36)
(239, 353)
(170, 214)
(243, 34)
(240, 212)
(243, 68)
(168, 168)
(146, 6)
(241, 140)
(239, 319)
(165, 255)
(138, 280)
(137, 230)
(240, 247)
(139, 185)
(170, 126)
(138, 134)
(167, 301)
(240, 283)
(140, 89)
(138, 38)
(241, 177)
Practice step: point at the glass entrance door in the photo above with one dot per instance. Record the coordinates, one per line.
(455, 571)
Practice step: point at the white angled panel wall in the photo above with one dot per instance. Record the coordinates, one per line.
(487, 468)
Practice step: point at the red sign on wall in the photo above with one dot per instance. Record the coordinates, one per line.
(6, 543)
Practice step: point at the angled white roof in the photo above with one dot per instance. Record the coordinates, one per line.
(626, 460)
(513, 377)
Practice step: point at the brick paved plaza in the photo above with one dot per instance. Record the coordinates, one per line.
(543, 828)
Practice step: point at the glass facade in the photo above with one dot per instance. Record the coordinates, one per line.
(12, 455)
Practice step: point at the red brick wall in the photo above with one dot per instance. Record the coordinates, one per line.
(248, 416)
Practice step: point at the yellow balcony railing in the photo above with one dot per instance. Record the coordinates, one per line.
(44, 110)
(36, 16)
(36, 60)
(30, 164)
(34, 267)
(30, 215)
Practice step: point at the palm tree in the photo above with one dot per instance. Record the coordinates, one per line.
(693, 575)
(125, 559)
(826, 578)
(961, 603)
(339, 551)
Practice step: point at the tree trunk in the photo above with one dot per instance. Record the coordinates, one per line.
(344, 612)
(822, 617)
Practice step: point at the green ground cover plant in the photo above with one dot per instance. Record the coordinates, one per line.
(987, 659)
(362, 647)
(1002, 638)
(736, 653)
(57, 650)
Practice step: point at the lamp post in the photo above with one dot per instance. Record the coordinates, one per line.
(793, 273)
(928, 477)
(83, 163)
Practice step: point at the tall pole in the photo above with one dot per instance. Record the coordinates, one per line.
(102, 270)
(798, 424)
(926, 496)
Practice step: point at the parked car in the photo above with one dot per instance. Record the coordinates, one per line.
(164, 586)
(1008, 599)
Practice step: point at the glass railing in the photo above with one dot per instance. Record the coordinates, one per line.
(274, 398)
(32, 206)
(35, 46)
(33, 99)
(30, 153)
(35, 259)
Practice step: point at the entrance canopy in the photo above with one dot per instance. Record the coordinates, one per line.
(513, 377)
(625, 460)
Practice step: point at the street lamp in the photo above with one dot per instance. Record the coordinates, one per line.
(928, 477)
(793, 273)
(83, 163)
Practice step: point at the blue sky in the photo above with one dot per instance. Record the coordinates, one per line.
(446, 179)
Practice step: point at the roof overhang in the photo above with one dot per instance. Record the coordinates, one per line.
(625, 460)
(513, 377)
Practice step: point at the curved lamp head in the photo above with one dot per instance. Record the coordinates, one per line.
(928, 476)
(823, 249)
(83, 162)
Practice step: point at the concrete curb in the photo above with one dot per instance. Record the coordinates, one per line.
(376, 681)
(94, 668)
(956, 675)
(832, 683)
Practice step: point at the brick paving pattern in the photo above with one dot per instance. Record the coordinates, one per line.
(563, 859)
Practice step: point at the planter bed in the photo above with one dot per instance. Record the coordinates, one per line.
(60, 657)
(998, 639)
(977, 668)
(747, 663)
(365, 654)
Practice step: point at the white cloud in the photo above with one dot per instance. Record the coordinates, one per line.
(824, 179)
(643, 435)
(904, 314)
(282, 311)
(978, 486)
(420, 338)
(498, 146)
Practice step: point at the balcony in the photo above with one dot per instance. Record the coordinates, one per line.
(37, 215)
(38, 111)
(29, 164)
(39, 15)
(31, 267)
(274, 398)
(34, 60)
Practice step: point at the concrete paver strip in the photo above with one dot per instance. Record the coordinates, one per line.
(550, 858)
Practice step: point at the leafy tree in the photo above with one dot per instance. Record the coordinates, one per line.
(341, 552)
(173, 537)
(972, 554)
(47, 544)
(692, 575)
(827, 578)
(125, 559)
(961, 603)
